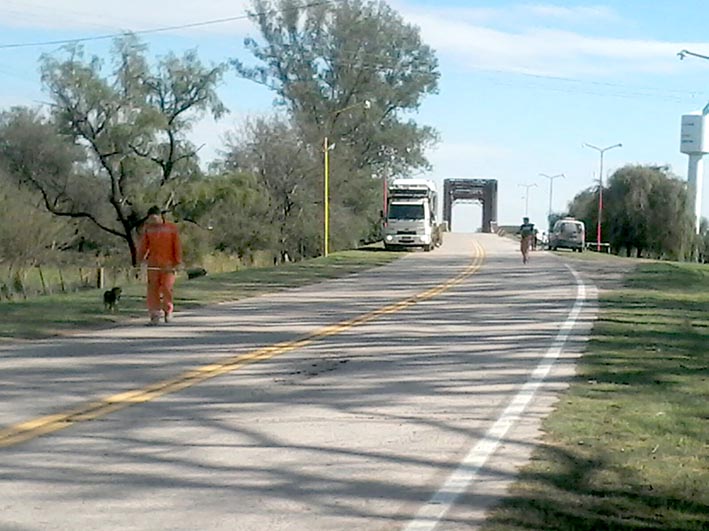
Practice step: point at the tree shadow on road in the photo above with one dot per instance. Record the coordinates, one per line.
(626, 449)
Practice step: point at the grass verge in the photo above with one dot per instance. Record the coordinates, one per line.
(627, 448)
(593, 256)
(48, 316)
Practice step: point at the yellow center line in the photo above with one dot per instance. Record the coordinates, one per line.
(30, 429)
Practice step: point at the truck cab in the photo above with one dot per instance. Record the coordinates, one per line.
(411, 215)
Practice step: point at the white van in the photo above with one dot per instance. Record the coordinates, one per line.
(568, 233)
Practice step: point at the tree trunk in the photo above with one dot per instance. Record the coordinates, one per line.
(133, 250)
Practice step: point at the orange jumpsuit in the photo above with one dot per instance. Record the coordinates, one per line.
(160, 246)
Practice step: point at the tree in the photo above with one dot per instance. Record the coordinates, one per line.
(670, 226)
(228, 210)
(324, 61)
(645, 212)
(627, 209)
(34, 157)
(553, 217)
(27, 232)
(133, 123)
(287, 170)
(703, 241)
(29, 235)
(584, 207)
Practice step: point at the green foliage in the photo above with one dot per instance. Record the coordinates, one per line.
(625, 448)
(49, 169)
(325, 62)
(584, 207)
(289, 177)
(323, 58)
(703, 241)
(133, 121)
(349, 71)
(226, 213)
(28, 234)
(115, 140)
(645, 212)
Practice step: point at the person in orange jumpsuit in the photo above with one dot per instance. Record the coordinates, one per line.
(161, 250)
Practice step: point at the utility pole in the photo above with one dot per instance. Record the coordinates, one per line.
(551, 182)
(326, 147)
(526, 197)
(601, 151)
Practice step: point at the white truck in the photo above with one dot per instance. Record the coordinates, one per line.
(410, 219)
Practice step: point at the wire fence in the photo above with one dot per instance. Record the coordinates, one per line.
(19, 284)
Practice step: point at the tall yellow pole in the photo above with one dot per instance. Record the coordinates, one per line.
(326, 202)
(326, 158)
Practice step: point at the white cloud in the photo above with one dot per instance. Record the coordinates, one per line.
(526, 37)
(466, 159)
(517, 14)
(209, 136)
(121, 15)
(515, 40)
(572, 14)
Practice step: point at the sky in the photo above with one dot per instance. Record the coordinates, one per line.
(523, 86)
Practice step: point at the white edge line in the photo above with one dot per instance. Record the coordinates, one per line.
(431, 513)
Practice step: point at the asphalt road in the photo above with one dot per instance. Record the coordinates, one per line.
(400, 398)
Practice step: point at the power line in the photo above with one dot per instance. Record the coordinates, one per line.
(369, 62)
(155, 30)
(356, 61)
(587, 87)
(588, 81)
(61, 13)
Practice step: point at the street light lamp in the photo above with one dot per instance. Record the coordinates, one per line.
(526, 197)
(601, 151)
(551, 182)
(684, 53)
(326, 170)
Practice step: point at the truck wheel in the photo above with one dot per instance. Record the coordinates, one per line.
(427, 248)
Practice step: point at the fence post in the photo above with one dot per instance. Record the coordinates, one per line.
(61, 281)
(41, 278)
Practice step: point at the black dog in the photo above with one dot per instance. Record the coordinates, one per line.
(196, 272)
(111, 298)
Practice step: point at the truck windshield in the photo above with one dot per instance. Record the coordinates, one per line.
(406, 211)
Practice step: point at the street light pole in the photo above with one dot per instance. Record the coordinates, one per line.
(601, 151)
(526, 197)
(326, 198)
(326, 176)
(551, 182)
(695, 173)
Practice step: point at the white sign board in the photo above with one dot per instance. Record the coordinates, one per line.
(694, 134)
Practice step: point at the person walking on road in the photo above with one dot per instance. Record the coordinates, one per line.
(526, 232)
(161, 251)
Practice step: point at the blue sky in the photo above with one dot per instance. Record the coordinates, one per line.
(523, 84)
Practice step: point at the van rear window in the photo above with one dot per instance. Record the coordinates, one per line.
(570, 227)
